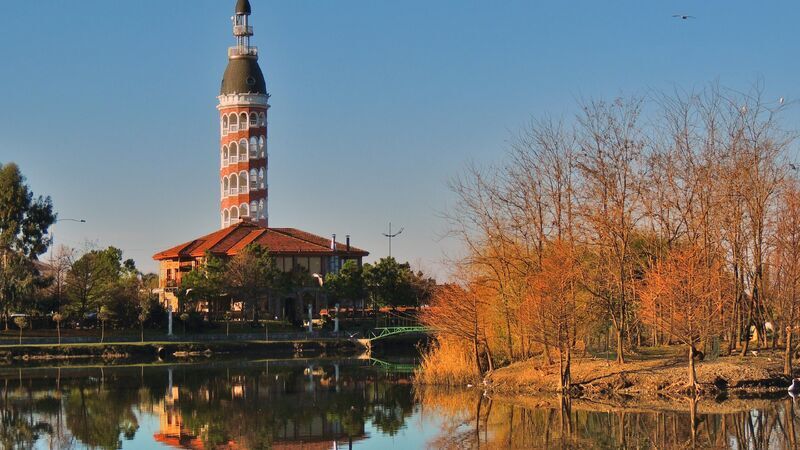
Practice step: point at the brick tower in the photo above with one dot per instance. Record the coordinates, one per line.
(243, 105)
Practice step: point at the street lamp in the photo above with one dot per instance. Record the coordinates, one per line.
(336, 316)
(391, 235)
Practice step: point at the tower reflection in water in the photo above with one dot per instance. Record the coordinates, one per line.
(232, 404)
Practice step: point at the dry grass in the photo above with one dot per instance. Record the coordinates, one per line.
(659, 374)
(447, 363)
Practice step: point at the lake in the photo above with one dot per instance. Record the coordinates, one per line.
(348, 403)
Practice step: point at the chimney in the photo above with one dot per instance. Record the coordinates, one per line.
(348, 243)
(333, 242)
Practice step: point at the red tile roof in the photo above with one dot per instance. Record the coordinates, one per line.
(280, 241)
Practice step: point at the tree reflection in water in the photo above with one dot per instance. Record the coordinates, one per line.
(472, 420)
(312, 404)
(212, 405)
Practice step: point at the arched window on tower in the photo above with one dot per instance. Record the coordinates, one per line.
(262, 120)
(224, 125)
(253, 147)
(253, 120)
(261, 146)
(226, 218)
(254, 209)
(243, 121)
(225, 187)
(233, 153)
(253, 180)
(224, 155)
(261, 212)
(243, 150)
(234, 184)
(233, 123)
(261, 178)
(242, 182)
(234, 214)
(243, 210)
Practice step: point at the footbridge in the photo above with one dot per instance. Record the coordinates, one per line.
(384, 332)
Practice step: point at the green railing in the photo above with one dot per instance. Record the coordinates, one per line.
(383, 332)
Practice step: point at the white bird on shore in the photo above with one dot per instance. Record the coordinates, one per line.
(754, 352)
(795, 387)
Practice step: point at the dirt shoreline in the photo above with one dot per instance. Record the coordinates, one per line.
(646, 378)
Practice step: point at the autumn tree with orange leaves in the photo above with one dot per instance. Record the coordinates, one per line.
(555, 308)
(685, 287)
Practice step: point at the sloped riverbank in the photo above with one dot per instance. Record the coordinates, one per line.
(666, 375)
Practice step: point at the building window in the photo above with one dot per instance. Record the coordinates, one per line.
(243, 210)
(261, 146)
(233, 153)
(233, 124)
(234, 214)
(224, 155)
(261, 178)
(226, 218)
(254, 209)
(262, 119)
(242, 182)
(315, 264)
(261, 209)
(243, 121)
(225, 187)
(224, 125)
(234, 185)
(253, 148)
(243, 150)
(253, 120)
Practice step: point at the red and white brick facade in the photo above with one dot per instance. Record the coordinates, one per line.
(243, 158)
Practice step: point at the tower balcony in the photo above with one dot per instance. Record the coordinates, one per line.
(242, 30)
(242, 52)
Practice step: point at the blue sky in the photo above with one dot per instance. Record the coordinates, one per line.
(109, 106)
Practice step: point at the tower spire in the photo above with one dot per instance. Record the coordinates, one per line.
(242, 30)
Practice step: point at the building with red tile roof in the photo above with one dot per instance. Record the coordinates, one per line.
(291, 248)
(243, 106)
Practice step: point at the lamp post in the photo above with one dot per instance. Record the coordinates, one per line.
(391, 236)
(336, 316)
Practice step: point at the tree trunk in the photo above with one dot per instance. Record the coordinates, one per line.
(620, 345)
(566, 376)
(477, 356)
(787, 357)
(58, 330)
(489, 361)
(102, 331)
(692, 372)
(141, 329)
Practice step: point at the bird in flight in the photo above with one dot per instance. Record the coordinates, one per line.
(683, 16)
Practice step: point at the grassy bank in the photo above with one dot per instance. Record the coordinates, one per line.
(652, 372)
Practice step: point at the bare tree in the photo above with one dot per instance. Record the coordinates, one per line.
(612, 149)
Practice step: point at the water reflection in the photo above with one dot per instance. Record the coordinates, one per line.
(224, 405)
(476, 421)
(326, 404)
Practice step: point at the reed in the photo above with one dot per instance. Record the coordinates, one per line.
(447, 362)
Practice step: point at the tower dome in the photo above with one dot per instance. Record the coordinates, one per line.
(243, 7)
(243, 76)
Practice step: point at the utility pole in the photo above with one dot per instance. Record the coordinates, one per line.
(390, 236)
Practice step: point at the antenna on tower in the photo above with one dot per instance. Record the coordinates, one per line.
(390, 236)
